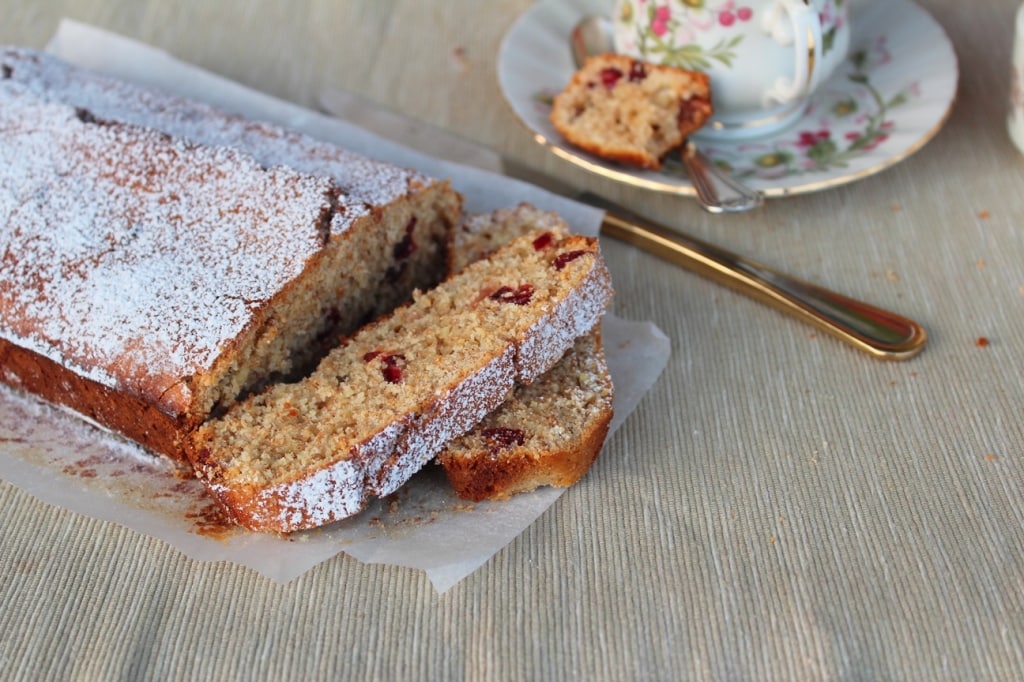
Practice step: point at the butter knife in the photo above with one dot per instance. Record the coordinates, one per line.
(880, 333)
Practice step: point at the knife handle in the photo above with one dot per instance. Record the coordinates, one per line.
(880, 333)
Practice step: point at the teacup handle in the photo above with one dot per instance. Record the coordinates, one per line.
(806, 37)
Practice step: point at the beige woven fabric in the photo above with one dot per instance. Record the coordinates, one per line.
(779, 508)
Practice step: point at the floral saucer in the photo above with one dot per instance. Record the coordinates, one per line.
(890, 97)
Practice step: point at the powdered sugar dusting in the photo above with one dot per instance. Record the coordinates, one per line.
(455, 413)
(133, 257)
(573, 317)
(332, 493)
(363, 182)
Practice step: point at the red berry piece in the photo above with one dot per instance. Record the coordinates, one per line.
(407, 246)
(392, 374)
(544, 241)
(610, 76)
(519, 296)
(637, 72)
(502, 438)
(392, 365)
(563, 259)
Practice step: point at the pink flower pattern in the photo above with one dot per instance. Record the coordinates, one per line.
(839, 126)
(659, 23)
(671, 31)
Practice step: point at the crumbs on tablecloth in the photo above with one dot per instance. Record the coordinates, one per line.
(981, 342)
(895, 208)
(458, 59)
(983, 214)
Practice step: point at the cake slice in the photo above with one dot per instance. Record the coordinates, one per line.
(384, 403)
(161, 258)
(627, 110)
(548, 432)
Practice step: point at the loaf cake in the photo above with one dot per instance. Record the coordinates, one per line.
(161, 259)
(387, 400)
(630, 111)
(547, 433)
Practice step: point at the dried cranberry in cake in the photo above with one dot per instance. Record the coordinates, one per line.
(637, 72)
(500, 438)
(519, 296)
(392, 365)
(563, 259)
(407, 246)
(393, 368)
(642, 112)
(609, 77)
(544, 241)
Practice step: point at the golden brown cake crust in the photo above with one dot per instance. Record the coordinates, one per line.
(487, 477)
(131, 417)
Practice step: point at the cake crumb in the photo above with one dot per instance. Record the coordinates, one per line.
(983, 214)
(980, 263)
(992, 457)
(895, 208)
(459, 59)
(982, 342)
(892, 275)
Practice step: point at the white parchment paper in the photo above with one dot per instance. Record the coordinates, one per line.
(64, 461)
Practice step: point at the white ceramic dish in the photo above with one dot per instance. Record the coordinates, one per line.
(885, 102)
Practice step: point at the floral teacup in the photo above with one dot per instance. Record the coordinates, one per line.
(764, 57)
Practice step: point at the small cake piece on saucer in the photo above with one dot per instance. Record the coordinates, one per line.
(634, 112)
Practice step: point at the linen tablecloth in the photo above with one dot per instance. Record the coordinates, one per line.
(779, 507)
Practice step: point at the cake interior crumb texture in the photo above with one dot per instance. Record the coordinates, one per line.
(384, 403)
